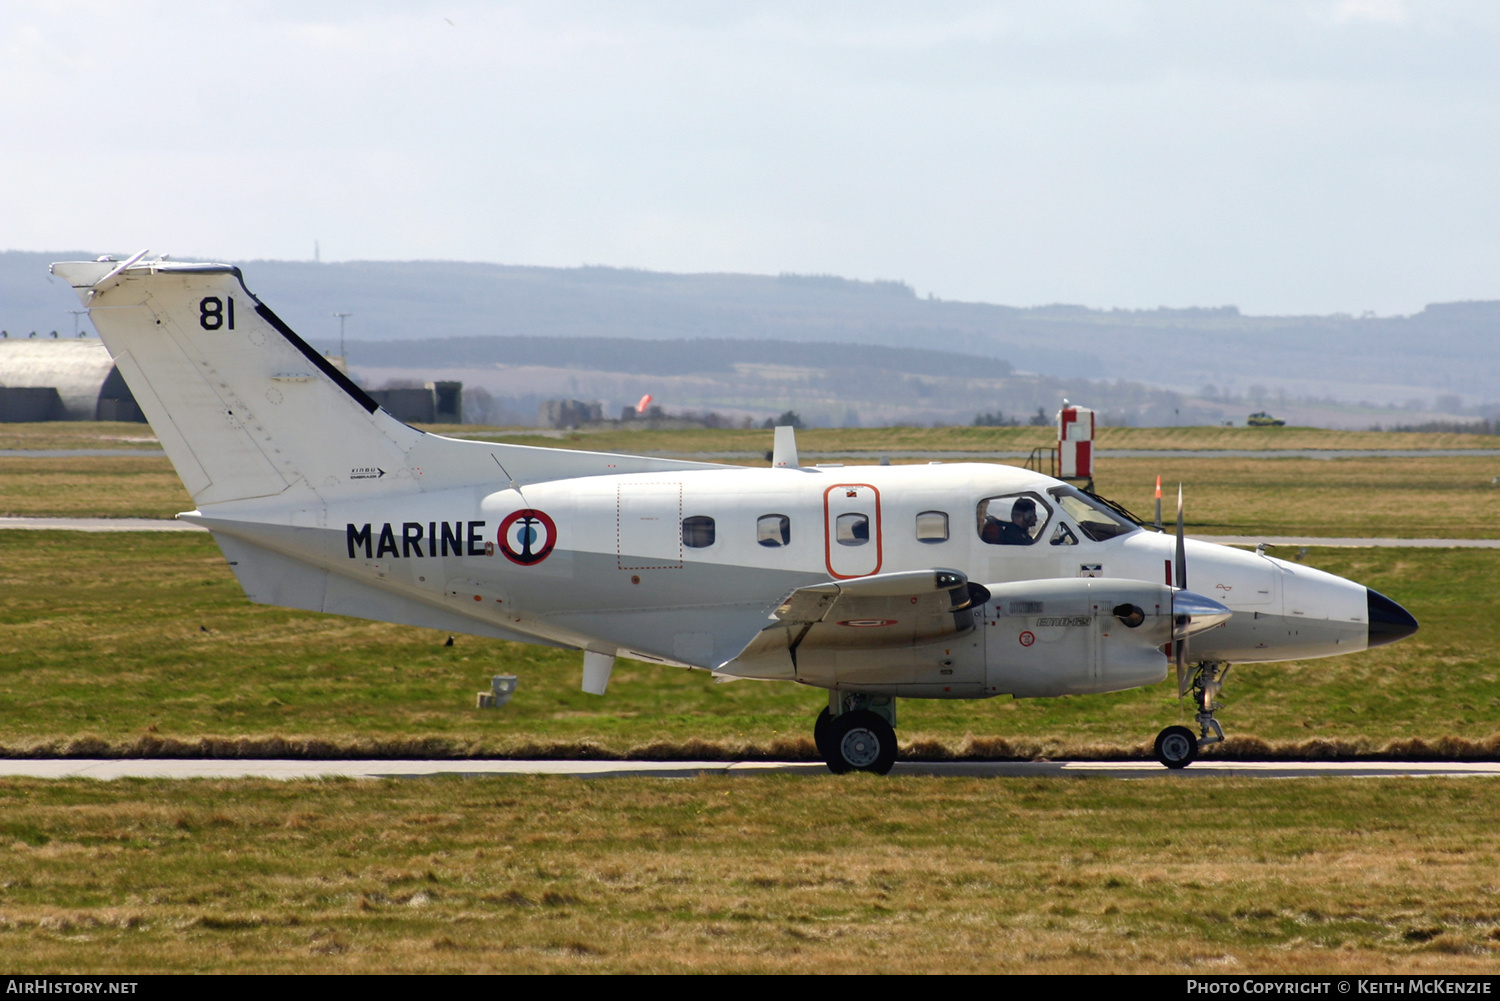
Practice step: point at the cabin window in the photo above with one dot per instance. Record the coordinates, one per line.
(698, 531)
(773, 530)
(1013, 520)
(852, 530)
(932, 526)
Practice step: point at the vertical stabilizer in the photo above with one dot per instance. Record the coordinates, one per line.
(243, 406)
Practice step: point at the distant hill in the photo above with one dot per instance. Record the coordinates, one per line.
(1443, 352)
(827, 384)
(694, 357)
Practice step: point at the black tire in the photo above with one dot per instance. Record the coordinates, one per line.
(1176, 747)
(820, 733)
(860, 741)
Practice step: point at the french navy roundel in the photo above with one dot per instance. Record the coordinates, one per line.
(527, 536)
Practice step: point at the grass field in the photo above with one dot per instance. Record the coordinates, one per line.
(143, 643)
(123, 640)
(841, 441)
(104, 434)
(1404, 497)
(751, 874)
(1412, 498)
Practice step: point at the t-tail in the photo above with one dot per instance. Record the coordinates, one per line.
(247, 410)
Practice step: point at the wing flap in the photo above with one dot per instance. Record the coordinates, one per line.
(877, 612)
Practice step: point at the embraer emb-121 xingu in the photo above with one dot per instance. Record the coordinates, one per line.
(943, 581)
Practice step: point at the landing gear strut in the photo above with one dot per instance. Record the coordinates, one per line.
(856, 733)
(1177, 746)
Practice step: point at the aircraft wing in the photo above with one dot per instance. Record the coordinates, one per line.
(878, 612)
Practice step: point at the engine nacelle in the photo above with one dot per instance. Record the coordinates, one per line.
(1029, 639)
(1076, 636)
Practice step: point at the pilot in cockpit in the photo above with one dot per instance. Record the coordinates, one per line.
(1017, 531)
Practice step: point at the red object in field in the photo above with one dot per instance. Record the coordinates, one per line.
(640, 407)
(1075, 443)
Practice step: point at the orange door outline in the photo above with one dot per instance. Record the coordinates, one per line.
(828, 542)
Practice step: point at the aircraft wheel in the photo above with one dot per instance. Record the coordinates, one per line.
(860, 741)
(820, 734)
(1176, 747)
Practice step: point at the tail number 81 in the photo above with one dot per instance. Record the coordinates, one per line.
(213, 314)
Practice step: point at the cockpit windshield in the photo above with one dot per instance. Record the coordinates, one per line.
(1094, 519)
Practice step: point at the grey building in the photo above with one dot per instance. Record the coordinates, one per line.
(434, 403)
(62, 380)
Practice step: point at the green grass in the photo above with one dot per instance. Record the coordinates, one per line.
(1413, 498)
(102, 434)
(128, 637)
(740, 874)
(137, 641)
(91, 487)
(1429, 497)
(78, 434)
(972, 439)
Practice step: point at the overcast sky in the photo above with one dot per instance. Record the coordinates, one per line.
(1320, 156)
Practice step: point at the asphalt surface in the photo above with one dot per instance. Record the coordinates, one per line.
(100, 525)
(106, 769)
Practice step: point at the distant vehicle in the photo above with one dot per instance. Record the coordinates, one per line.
(1264, 420)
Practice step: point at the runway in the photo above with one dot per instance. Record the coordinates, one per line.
(99, 525)
(141, 768)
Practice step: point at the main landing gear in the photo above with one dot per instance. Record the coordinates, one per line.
(1177, 746)
(857, 733)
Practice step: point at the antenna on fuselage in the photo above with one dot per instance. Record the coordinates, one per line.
(784, 452)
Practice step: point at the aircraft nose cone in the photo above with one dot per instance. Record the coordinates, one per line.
(1389, 622)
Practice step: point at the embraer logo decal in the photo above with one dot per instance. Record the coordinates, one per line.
(441, 538)
(366, 473)
(527, 536)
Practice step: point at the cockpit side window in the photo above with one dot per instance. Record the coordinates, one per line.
(1062, 535)
(932, 527)
(1094, 519)
(1013, 519)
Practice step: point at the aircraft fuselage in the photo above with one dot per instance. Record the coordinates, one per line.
(623, 562)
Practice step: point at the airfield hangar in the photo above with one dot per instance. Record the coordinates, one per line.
(42, 379)
(62, 380)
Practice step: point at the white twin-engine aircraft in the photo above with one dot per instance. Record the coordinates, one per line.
(942, 581)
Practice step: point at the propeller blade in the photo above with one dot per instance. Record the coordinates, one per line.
(1182, 640)
(1181, 546)
(1158, 502)
(1182, 675)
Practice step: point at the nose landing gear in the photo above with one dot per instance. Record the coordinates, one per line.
(1177, 746)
